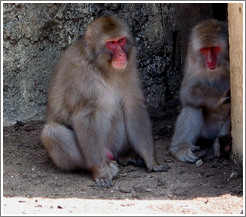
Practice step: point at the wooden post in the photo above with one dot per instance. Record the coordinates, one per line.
(236, 42)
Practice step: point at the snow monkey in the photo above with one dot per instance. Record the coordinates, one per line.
(204, 91)
(96, 113)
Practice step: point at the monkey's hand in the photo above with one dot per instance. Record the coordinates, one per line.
(226, 97)
(103, 175)
(185, 153)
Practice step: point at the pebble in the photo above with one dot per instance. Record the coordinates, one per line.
(233, 175)
(34, 176)
(199, 163)
(125, 189)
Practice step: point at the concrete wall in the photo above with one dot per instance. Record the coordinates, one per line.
(235, 21)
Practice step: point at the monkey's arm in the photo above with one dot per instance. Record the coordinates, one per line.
(90, 127)
(139, 134)
(200, 95)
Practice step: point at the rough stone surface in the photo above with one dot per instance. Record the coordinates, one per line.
(35, 35)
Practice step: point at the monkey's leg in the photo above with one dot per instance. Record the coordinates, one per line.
(187, 130)
(60, 142)
(92, 131)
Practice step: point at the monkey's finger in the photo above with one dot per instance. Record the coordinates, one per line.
(225, 100)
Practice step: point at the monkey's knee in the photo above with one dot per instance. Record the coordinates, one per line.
(61, 145)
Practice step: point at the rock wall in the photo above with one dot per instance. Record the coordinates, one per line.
(35, 35)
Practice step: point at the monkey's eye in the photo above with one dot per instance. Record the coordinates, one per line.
(111, 42)
(122, 41)
(205, 50)
(111, 45)
(214, 50)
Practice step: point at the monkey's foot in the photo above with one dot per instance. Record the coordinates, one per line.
(106, 183)
(185, 153)
(103, 175)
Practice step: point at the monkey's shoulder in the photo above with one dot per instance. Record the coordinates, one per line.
(74, 50)
(73, 61)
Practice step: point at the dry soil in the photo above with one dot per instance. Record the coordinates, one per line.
(33, 185)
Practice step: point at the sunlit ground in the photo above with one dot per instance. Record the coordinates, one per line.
(225, 204)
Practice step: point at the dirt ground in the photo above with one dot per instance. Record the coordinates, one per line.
(33, 185)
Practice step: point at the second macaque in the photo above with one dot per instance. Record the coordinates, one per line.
(96, 113)
(204, 91)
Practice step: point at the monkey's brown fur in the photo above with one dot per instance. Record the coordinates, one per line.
(204, 93)
(94, 109)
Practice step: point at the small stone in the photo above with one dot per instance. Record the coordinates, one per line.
(125, 189)
(233, 175)
(199, 163)
(34, 176)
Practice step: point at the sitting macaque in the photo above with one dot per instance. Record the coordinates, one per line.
(96, 114)
(205, 91)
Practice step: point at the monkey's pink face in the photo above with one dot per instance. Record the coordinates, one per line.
(210, 55)
(119, 57)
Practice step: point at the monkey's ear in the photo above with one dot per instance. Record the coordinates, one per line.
(88, 34)
(91, 31)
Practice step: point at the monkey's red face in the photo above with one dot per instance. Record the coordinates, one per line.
(211, 56)
(119, 57)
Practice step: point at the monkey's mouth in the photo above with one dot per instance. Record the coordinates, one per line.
(119, 64)
(211, 66)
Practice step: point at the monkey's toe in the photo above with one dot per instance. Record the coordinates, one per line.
(189, 157)
(104, 183)
(186, 156)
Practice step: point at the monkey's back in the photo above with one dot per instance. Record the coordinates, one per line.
(69, 80)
